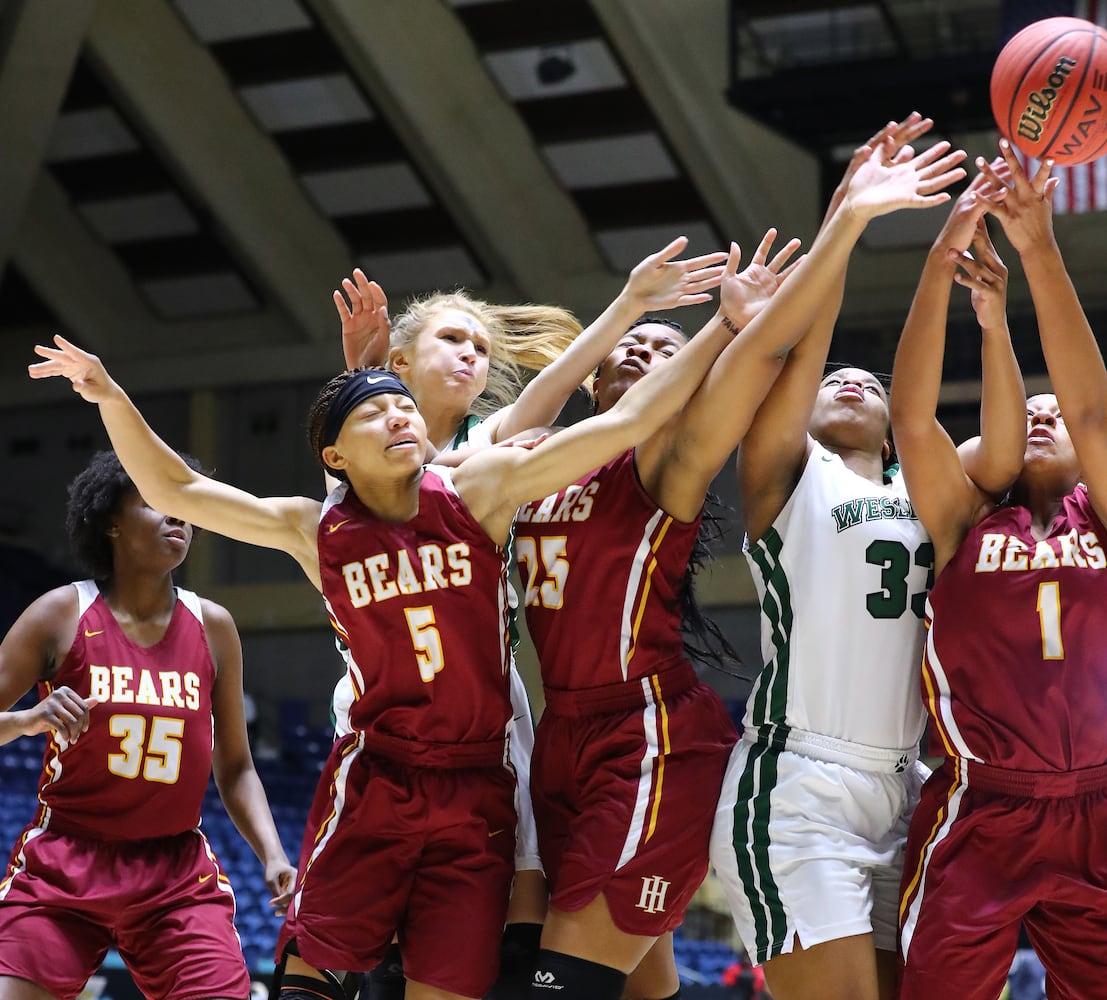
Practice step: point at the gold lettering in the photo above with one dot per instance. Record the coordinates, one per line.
(433, 565)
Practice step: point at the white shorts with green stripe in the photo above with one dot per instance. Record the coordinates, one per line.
(811, 850)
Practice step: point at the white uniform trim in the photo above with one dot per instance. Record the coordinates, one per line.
(633, 587)
(944, 699)
(645, 777)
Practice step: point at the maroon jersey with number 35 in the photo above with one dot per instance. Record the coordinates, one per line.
(141, 769)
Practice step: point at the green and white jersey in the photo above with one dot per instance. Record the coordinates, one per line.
(841, 577)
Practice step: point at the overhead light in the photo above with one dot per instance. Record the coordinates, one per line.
(555, 65)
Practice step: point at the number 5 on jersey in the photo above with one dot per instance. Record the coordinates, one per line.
(426, 640)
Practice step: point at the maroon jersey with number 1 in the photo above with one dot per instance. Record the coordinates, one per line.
(1010, 827)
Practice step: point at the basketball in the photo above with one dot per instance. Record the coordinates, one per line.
(1049, 90)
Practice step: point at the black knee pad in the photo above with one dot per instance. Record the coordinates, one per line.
(307, 988)
(565, 977)
(518, 953)
(386, 981)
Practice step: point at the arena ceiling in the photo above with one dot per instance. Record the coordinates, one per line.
(185, 181)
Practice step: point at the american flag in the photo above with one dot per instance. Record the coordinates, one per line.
(1083, 188)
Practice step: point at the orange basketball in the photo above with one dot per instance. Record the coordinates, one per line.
(1049, 90)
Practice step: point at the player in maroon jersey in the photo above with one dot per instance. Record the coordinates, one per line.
(455, 354)
(136, 678)
(1010, 827)
(631, 751)
(415, 806)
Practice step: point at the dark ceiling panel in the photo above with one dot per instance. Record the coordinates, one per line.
(332, 147)
(197, 253)
(652, 202)
(114, 176)
(272, 58)
(597, 114)
(497, 27)
(410, 229)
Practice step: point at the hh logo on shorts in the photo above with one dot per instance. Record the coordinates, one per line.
(654, 888)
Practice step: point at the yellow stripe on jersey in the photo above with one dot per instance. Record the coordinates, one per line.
(664, 749)
(656, 544)
(938, 821)
(932, 704)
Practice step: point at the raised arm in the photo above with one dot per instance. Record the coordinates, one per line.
(776, 443)
(993, 461)
(496, 481)
(943, 495)
(366, 328)
(1072, 355)
(656, 283)
(167, 484)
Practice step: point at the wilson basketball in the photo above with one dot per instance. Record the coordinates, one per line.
(1049, 90)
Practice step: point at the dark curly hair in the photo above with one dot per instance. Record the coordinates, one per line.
(95, 496)
(317, 419)
(704, 641)
(655, 320)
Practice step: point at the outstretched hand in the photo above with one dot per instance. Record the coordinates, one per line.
(366, 328)
(85, 371)
(985, 275)
(745, 293)
(888, 179)
(961, 227)
(1023, 205)
(660, 282)
(899, 134)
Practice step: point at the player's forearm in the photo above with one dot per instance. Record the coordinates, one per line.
(546, 394)
(1002, 415)
(1072, 355)
(157, 471)
(248, 807)
(12, 726)
(917, 370)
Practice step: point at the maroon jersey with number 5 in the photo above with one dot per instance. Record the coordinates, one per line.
(141, 769)
(422, 605)
(1015, 668)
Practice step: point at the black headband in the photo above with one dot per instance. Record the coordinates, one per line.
(360, 386)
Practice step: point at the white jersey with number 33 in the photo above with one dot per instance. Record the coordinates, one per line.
(841, 577)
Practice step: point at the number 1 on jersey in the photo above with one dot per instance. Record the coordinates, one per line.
(1049, 618)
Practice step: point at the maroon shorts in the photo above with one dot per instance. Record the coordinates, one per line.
(427, 853)
(165, 905)
(624, 803)
(981, 861)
